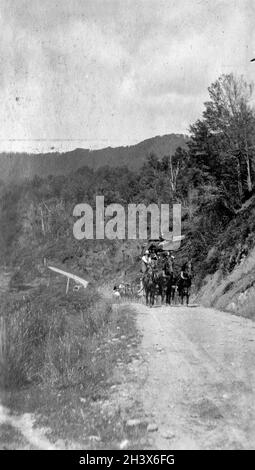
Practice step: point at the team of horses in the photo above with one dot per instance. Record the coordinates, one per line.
(161, 280)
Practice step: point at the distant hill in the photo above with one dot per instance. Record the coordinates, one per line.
(17, 166)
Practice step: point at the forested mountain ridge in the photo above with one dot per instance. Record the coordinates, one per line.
(213, 178)
(17, 166)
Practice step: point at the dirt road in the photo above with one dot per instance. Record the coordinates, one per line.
(200, 384)
(194, 378)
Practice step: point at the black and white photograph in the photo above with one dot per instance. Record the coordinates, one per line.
(127, 228)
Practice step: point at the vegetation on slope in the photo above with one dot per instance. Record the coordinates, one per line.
(213, 178)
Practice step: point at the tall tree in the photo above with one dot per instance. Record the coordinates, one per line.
(230, 115)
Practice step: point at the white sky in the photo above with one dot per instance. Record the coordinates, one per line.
(94, 73)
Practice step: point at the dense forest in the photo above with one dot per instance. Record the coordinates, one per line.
(213, 178)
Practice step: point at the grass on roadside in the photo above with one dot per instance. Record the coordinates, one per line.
(61, 354)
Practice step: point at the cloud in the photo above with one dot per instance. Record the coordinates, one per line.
(115, 72)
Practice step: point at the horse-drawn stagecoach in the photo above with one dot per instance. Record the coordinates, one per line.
(163, 277)
(160, 277)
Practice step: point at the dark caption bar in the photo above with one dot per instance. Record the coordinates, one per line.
(111, 459)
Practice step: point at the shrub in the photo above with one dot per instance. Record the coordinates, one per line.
(49, 336)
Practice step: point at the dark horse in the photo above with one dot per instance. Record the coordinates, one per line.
(169, 281)
(171, 288)
(184, 284)
(160, 280)
(149, 286)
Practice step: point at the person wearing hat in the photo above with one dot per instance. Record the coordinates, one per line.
(186, 270)
(146, 261)
(116, 292)
(168, 264)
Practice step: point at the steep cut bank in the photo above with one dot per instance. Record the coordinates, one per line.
(234, 292)
(230, 284)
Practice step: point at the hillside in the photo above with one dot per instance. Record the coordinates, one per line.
(17, 166)
(213, 181)
(230, 284)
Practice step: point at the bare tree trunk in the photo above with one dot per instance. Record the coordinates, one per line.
(173, 174)
(247, 160)
(42, 222)
(239, 182)
(2, 339)
(249, 183)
